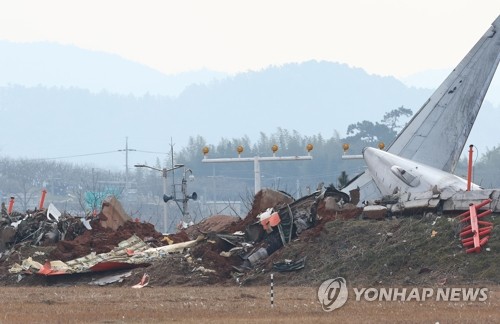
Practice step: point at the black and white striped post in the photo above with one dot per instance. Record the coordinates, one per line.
(272, 291)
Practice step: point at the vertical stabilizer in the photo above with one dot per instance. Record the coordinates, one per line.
(438, 132)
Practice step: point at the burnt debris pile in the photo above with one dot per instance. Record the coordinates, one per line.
(218, 249)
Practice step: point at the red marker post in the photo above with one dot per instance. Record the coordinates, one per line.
(11, 205)
(42, 199)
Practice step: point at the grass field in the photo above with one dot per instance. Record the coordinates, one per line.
(81, 304)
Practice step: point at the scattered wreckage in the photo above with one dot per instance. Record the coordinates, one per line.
(277, 226)
(112, 242)
(38, 227)
(256, 238)
(129, 253)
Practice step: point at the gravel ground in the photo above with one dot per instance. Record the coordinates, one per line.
(84, 304)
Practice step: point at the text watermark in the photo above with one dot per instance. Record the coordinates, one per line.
(333, 293)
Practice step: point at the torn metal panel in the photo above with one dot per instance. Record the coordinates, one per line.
(26, 266)
(495, 204)
(116, 259)
(301, 214)
(106, 280)
(53, 213)
(415, 205)
(113, 265)
(375, 212)
(258, 255)
(86, 223)
(422, 195)
(52, 268)
(461, 200)
(172, 248)
(115, 215)
(232, 239)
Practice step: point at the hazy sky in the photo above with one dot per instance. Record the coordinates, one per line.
(386, 37)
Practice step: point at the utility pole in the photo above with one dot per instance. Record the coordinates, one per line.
(126, 150)
(172, 164)
(164, 172)
(165, 207)
(186, 218)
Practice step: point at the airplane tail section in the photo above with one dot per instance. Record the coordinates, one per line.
(438, 132)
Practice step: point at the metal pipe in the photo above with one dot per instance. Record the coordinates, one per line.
(352, 157)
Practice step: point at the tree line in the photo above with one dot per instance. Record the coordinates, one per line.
(81, 187)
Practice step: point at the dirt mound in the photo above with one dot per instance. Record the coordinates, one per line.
(263, 200)
(395, 252)
(267, 198)
(325, 216)
(202, 266)
(102, 240)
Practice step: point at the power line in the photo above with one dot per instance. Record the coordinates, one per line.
(78, 155)
(97, 153)
(151, 152)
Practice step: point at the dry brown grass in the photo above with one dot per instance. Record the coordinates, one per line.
(222, 304)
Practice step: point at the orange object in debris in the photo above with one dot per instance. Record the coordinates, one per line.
(475, 235)
(475, 230)
(47, 270)
(271, 221)
(42, 199)
(274, 219)
(11, 205)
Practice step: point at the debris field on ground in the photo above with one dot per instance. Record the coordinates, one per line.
(302, 241)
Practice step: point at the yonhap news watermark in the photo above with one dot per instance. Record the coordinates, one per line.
(333, 294)
(421, 294)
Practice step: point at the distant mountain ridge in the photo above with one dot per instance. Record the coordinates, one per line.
(311, 98)
(334, 93)
(55, 65)
(45, 120)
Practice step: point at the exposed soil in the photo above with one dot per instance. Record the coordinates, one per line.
(395, 251)
(101, 240)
